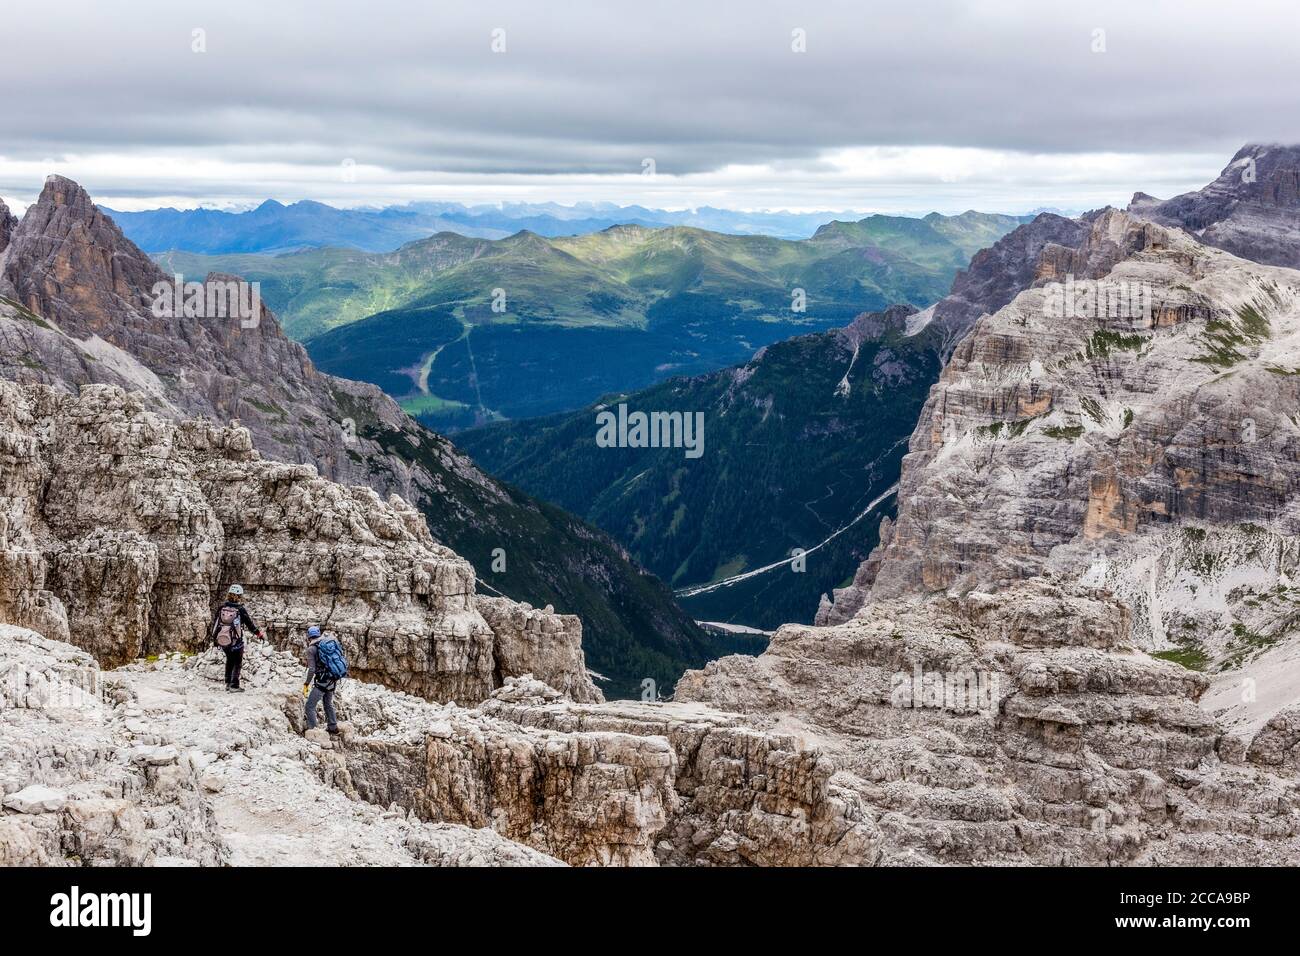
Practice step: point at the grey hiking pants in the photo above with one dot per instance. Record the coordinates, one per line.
(317, 694)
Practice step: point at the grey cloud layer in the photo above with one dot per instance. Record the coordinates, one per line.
(595, 87)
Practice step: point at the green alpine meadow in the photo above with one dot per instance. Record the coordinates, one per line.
(463, 331)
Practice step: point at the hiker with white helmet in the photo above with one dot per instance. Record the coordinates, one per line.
(325, 668)
(227, 632)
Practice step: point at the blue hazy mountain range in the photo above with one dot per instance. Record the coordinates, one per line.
(274, 228)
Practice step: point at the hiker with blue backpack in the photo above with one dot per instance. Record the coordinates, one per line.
(326, 666)
(227, 633)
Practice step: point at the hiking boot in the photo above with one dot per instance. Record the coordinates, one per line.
(237, 690)
(333, 731)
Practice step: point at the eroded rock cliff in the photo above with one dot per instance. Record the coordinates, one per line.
(119, 528)
(1071, 443)
(8, 222)
(1107, 470)
(1251, 210)
(1019, 727)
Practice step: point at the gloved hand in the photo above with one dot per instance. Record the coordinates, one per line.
(306, 689)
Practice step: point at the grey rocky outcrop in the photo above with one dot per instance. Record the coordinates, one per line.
(588, 798)
(743, 796)
(8, 222)
(1019, 727)
(1070, 444)
(602, 784)
(154, 764)
(1086, 484)
(86, 294)
(1251, 210)
(120, 528)
(997, 274)
(70, 796)
(535, 641)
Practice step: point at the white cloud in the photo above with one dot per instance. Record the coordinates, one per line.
(867, 179)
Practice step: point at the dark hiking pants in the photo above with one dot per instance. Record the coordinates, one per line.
(234, 661)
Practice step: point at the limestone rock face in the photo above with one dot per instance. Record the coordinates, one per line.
(70, 797)
(997, 274)
(1109, 465)
(1252, 210)
(1020, 727)
(744, 796)
(92, 290)
(55, 265)
(1047, 249)
(8, 222)
(119, 529)
(540, 643)
(1074, 445)
(586, 797)
(600, 784)
(1278, 743)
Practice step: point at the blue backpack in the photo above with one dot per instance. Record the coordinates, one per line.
(330, 663)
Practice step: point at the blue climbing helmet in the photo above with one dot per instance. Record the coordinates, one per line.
(313, 631)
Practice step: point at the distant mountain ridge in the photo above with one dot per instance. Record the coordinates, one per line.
(273, 228)
(463, 330)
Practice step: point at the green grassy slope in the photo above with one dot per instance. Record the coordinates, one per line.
(548, 325)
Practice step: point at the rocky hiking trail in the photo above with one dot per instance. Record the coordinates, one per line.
(250, 782)
(271, 806)
(465, 709)
(165, 767)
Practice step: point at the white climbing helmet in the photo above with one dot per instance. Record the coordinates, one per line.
(236, 590)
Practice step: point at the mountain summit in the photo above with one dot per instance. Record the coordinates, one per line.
(1250, 210)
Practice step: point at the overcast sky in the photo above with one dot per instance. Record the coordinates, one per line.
(1003, 106)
